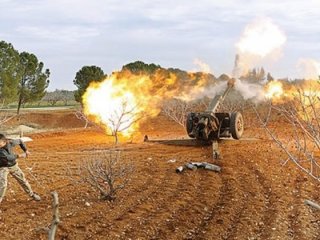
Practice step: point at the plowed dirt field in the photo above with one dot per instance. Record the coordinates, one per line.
(253, 197)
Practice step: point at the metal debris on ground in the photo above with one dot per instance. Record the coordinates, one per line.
(172, 161)
(312, 204)
(196, 165)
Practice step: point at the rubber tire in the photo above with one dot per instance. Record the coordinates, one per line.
(236, 130)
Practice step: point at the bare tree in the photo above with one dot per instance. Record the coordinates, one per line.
(58, 95)
(118, 121)
(107, 174)
(177, 110)
(52, 97)
(67, 96)
(123, 119)
(303, 141)
(5, 115)
(204, 103)
(81, 116)
(233, 105)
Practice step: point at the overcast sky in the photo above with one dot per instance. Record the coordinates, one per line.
(69, 34)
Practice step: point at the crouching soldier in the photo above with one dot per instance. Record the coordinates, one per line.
(8, 164)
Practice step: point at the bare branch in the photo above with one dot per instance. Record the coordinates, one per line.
(177, 110)
(55, 218)
(81, 116)
(302, 115)
(123, 119)
(5, 115)
(106, 173)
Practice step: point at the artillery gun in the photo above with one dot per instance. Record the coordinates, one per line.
(211, 125)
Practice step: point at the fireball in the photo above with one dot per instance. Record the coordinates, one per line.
(274, 90)
(111, 105)
(119, 101)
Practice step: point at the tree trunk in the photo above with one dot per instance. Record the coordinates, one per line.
(116, 137)
(19, 105)
(55, 217)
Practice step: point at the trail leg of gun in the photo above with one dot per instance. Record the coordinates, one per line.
(215, 149)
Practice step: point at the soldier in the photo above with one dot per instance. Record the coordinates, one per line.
(8, 164)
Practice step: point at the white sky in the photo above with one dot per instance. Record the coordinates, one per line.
(69, 34)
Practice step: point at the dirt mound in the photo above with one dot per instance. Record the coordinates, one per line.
(47, 120)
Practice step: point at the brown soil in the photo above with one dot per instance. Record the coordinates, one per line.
(47, 119)
(252, 198)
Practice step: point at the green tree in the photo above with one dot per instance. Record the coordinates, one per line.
(261, 75)
(57, 95)
(269, 77)
(9, 72)
(223, 77)
(254, 75)
(84, 77)
(67, 96)
(141, 67)
(34, 79)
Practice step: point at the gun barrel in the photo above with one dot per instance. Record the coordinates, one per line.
(218, 99)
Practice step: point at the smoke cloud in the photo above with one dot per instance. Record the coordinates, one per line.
(250, 90)
(261, 38)
(308, 68)
(202, 66)
(210, 91)
(261, 41)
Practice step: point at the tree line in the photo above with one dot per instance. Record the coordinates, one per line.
(88, 74)
(23, 78)
(59, 95)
